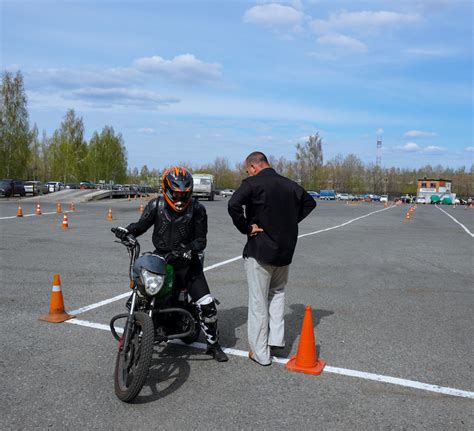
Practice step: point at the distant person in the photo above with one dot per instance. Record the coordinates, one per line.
(274, 205)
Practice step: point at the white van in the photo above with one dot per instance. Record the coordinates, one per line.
(204, 186)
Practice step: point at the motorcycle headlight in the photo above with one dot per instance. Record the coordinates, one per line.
(153, 282)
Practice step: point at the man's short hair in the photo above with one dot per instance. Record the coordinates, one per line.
(256, 158)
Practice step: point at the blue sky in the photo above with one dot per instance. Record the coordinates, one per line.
(189, 81)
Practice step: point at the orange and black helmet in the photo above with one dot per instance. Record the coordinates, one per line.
(177, 185)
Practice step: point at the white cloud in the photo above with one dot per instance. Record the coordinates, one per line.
(74, 78)
(273, 15)
(414, 134)
(430, 52)
(411, 147)
(364, 21)
(122, 97)
(344, 42)
(146, 131)
(469, 149)
(379, 131)
(433, 149)
(184, 68)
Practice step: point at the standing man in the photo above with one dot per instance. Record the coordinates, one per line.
(274, 205)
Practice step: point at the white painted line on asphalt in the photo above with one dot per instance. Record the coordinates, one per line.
(225, 262)
(456, 221)
(346, 223)
(100, 304)
(328, 369)
(32, 215)
(401, 382)
(92, 325)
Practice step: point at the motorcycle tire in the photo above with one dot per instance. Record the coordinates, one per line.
(131, 369)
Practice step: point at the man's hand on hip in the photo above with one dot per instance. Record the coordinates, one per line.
(255, 230)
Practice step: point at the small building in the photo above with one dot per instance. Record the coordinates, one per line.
(435, 189)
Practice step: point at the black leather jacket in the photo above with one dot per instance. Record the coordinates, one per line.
(173, 231)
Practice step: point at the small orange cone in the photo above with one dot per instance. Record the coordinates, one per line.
(142, 208)
(65, 224)
(56, 309)
(59, 210)
(73, 207)
(38, 210)
(109, 214)
(306, 360)
(19, 213)
(408, 216)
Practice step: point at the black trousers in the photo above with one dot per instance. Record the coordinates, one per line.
(190, 275)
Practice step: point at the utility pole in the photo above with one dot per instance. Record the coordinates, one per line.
(378, 157)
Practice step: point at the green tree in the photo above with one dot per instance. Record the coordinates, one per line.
(107, 157)
(68, 150)
(14, 127)
(310, 160)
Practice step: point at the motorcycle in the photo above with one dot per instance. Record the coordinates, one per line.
(158, 311)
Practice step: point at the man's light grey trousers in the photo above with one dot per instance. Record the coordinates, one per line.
(266, 324)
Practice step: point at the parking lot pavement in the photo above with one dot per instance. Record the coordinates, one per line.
(389, 296)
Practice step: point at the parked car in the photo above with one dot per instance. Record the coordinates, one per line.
(384, 198)
(421, 200)
(6, 188)
(55, 186)
(313, 194)
(71, 186)
(227, 192)
(86, 185)
(343, 196)
(10, 188)
(33, 187)
(407, 199)
(327, 194)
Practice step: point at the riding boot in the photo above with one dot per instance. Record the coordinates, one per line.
(208, 322)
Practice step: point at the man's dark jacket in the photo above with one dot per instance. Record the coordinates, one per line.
(172, 231)
(277, 205)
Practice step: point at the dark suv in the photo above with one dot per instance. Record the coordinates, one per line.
(12, 187)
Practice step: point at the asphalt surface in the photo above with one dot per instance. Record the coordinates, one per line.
(389, 296)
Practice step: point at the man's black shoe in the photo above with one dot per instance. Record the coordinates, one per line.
(216, 352)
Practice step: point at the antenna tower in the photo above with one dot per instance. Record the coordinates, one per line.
(378, 157)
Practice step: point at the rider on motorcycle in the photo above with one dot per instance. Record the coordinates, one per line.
(180, 226)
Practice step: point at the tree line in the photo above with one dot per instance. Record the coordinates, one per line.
(66, 156)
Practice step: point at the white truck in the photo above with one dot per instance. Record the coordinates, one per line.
(204, 186)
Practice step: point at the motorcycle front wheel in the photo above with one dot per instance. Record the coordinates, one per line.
(132, 364)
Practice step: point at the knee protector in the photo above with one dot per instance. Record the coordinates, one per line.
(208, 310)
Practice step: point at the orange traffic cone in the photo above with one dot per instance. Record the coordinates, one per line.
(73, 207)
(19, 213)
(109, 214)
(408, 216)
(56, 314)
(38, 210)
(306, 360)
(142, 208)
(65, 224)
(59, 210)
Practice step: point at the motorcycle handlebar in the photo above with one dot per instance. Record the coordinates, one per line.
(129, 239)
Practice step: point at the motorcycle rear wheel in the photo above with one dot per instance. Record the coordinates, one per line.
(131, 368)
